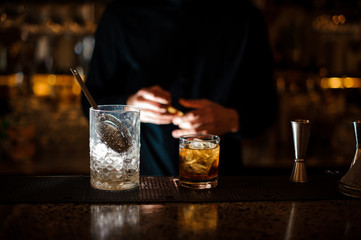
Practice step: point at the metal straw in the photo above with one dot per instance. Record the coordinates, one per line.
(84, 88)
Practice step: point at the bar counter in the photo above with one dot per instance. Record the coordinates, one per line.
(248, 207)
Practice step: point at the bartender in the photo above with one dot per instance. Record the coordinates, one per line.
(192, 67)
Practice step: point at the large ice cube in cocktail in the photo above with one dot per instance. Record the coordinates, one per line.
(201, 144)
(199, 156)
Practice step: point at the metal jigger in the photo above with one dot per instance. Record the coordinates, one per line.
(301, 132)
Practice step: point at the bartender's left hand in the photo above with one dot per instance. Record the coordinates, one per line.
(207, 117)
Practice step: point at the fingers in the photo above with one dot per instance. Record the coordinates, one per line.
(194, 118)
(180, 132)
(186, 118)
(149, 116)
(154, 103)
(153, 98)
(198, 121)
(207, 117)
(144, 103)
(155, 94)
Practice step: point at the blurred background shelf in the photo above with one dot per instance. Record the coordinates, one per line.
(317, 53)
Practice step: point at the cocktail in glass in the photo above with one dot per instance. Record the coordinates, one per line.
(199, 161)
(114, 147)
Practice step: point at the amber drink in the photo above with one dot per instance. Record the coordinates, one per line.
(199, 160)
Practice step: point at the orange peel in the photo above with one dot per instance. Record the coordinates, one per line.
(175, 111)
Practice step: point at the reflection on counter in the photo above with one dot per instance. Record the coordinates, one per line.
(114, 221)
(198, 219)
(244, 220)
(291, 225)
(299, 216)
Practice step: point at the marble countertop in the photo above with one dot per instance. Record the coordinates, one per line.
(325, 219)
(328, 215)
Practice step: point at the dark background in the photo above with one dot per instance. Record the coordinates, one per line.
(317, 53)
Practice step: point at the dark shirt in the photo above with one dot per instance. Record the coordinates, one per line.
(193, 49)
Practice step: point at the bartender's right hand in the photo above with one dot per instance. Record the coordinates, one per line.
(153, 102)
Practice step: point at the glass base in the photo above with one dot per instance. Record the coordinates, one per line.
(203, 184)
(349, 190)
(114, 186)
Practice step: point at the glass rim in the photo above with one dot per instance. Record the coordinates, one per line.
(212, 137)
(132, 108)
(301, 121)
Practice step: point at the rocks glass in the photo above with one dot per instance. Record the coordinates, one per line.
(199, 160)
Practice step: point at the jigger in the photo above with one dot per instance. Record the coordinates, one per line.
(301, 132)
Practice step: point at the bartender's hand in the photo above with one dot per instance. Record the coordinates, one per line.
(153, 102)
(207, 118)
